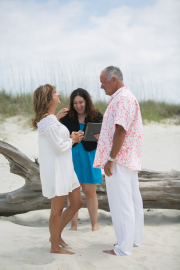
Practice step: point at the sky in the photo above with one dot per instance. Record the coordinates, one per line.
(68, 44)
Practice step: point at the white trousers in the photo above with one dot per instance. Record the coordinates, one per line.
(126, 208)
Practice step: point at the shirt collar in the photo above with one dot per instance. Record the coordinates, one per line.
(117, 92)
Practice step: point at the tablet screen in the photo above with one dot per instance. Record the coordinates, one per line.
(91, 130)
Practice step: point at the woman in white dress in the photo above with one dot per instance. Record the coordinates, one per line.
(57, 174)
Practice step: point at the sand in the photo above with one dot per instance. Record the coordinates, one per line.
(24, 238)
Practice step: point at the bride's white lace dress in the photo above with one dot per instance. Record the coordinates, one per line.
(57, 173)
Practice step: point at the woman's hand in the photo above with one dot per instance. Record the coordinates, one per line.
(97, 136)
(81, 133)
(77, 136)
(62, 113)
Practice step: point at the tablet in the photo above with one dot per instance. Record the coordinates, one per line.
(91, 130)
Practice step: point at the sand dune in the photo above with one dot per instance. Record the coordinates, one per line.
(24, 238)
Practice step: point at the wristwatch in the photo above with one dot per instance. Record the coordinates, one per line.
(111, 159)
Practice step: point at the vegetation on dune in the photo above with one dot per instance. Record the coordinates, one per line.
(157, 111)
(101, 106)
(21, 104)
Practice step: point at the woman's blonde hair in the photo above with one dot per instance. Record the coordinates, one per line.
(42, 99)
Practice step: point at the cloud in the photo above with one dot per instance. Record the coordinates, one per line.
(143, 42)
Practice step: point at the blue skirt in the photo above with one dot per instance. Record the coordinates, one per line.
(83, 164)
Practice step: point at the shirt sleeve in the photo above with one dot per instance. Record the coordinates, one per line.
(58, 145)
(125, 112)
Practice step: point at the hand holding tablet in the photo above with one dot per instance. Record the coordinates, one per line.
(91, 130)
(97, 136)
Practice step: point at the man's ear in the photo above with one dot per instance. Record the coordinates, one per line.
(114, 79)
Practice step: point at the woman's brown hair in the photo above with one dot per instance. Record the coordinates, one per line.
(42, 99)
(91, 111)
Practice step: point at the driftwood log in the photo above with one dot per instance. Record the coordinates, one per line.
(158, 189)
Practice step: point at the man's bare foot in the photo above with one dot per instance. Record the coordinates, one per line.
(111, 252)
(73, 228)
(61, 251)
(61, 242)
(95, 228)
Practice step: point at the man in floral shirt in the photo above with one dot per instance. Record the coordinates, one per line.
(119, 154)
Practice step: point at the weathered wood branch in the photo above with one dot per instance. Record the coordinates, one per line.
(29, 197)
(158, 189)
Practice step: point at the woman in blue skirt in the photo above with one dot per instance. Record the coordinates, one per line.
(80, 113)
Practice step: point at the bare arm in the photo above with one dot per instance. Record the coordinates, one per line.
(118, 139)
(62, 113)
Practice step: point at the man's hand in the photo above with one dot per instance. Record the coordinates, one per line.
(108, 168)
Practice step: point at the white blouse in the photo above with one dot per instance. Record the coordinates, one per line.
(57, 173)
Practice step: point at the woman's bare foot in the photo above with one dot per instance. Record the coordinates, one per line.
(73, 228)
(111, 252)
(61, 251)
(61, 242)
(95, 228)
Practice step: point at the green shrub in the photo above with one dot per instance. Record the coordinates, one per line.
(21, 104)
(157, 111)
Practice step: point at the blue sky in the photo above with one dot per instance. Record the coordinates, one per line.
(68, 43)
(101, 7)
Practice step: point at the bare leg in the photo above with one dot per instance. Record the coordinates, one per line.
(74, 220)
(73, 227)
(57, 205)
(75, 204)
(92, 203)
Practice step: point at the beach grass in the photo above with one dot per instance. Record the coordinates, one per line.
(21, 104)
(159, 111)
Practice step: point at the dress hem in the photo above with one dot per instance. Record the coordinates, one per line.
(57, 195)
(91, 183)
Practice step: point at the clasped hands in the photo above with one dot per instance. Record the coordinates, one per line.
(77, 136)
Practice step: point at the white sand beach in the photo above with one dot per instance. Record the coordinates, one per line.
(24, 238)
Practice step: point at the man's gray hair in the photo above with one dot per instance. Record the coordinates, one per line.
(112, 71)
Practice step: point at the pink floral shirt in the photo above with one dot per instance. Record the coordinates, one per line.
(123, 109)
